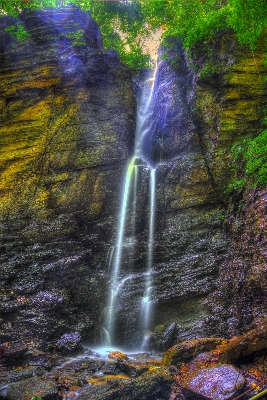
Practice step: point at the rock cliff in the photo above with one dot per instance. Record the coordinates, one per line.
(67, 131)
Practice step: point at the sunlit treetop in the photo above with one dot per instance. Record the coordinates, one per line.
(127, 25)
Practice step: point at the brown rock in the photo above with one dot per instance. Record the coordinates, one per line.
(245, 345)
(119, 356)
(186, 351)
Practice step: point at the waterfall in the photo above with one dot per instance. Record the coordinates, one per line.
(118, 251)
(146, 306)
(145, 126)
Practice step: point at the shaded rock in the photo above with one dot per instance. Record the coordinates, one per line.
(162, 339)
(149, 386)
(172, 82)
(133, 369)
(41, 360)
(167, 337)
(46, 389)
(186, 351)
(69, 342)
(19, 374)
(245, 345)
(216, 383)
(12, 350)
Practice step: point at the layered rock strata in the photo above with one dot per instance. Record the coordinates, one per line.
(67, 130)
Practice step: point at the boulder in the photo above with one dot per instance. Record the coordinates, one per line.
(167, 337)
(35, 386)
(245, 345)
(150, 386)
(186, 351)
(217, 383)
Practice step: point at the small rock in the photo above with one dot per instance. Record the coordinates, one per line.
(69, 342)
(216, 383)
(118, 356)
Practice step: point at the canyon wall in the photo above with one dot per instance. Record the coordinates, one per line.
(67, 132)
(205, 104)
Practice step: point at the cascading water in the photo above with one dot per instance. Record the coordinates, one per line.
(145, 126)
(118, 251)
(146, 306)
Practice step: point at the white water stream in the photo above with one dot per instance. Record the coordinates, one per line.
(145, 122)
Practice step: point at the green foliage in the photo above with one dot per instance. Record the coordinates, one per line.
(123, 28)
(36, 398)
(18, 31)
(159, 329)
(255, 156)
(250, 156)
(126, 26)
(193, 20)
(208, 69)
(248, 19)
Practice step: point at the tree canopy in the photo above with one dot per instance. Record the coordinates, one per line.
(126, 25)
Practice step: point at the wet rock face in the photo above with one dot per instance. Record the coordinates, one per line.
(206, 271)
(192, 246)
(173, 127)
(240, 298)
(67, 130)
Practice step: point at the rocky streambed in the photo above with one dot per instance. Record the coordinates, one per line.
(202, 368)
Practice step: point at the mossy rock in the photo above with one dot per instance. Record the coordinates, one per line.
(156, 384)
(186, 351)
(245, 345)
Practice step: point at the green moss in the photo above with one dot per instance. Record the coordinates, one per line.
(159, 329)
(18, 31)
(75, 35)
(81, 43)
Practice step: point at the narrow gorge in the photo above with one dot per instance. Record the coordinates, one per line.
(117, 222)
